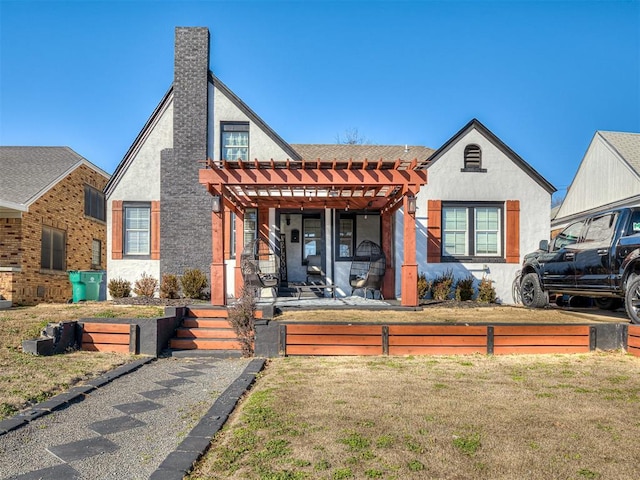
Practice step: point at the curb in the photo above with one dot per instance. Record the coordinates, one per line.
(193, 447)
(74, 394)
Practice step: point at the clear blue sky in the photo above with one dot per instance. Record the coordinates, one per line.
(543, 76)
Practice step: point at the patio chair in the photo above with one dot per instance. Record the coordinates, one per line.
(259, 267)
(367, 269)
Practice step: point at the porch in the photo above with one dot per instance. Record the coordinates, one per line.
(311, 213)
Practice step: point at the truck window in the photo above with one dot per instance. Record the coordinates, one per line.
(569, 235)
(634, 226)
(601, 228)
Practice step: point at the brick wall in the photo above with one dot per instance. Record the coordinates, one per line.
(62, 208)
(10, 239)
(185, 205)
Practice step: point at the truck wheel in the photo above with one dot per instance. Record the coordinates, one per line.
(632, 299)
(604, 303)
(531, 292)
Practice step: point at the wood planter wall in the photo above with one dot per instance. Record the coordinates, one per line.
(406, 339)
(633, 342)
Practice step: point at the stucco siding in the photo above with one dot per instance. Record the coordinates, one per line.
(140, 182)
(261, 146)
(503, 180)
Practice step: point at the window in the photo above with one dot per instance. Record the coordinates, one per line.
(472, 230)
(634, 223)
(137, 232)
(53, 249)
(352, 228)
(601, 228)
(235, 142)
(473, 159)
(312, 237)
(346, 236)
(94, 203)
(96, 253)
(250, 225)
(569, 235)
(232, 235)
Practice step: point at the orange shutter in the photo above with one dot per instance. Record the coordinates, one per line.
(116, 229)
(155, 230)
(513, 231)
(434, 232)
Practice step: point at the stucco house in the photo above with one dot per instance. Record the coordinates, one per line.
(52, 219)
(206, 175)
(608, 177)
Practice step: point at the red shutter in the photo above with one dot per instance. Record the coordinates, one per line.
(116, 229)
(155, 230)
(434, 231)
(513, 231)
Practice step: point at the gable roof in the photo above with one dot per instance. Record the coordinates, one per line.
(626, 144)
(27, 173)
(345, 152)
(515, 158)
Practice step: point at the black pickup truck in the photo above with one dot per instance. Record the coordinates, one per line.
(597, 257)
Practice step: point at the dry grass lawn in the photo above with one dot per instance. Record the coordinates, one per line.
(461, 314)
(475, 417)
(25, 379)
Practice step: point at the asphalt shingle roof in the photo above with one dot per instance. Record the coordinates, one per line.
(25, 172)
(627, 145)
(345, 152)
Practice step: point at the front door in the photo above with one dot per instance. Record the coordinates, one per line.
(303, 238)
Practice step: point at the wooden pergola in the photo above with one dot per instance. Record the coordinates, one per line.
(383, 186)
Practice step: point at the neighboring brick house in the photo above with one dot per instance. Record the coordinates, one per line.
(52, 219)
(484, 207)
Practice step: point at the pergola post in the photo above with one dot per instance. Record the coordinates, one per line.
(218, 280)
(238, 280)
(409, 287)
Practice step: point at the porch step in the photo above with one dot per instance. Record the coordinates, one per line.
(206, 329)
(204, 344)
(205, 333)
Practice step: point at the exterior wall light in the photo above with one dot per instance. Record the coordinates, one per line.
(215, 204)
(411, 204)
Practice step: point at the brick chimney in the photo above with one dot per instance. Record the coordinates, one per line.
(185, 205)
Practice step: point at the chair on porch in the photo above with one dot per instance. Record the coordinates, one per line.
(367, 269)
(260, 267)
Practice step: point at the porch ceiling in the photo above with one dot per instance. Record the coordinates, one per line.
(375, 185)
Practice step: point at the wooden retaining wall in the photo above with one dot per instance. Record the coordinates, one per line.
(633, 342)
(409, 339)
(109, 337)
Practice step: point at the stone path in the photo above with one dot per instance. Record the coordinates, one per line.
(151, 423)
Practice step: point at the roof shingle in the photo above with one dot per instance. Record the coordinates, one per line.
(25, 172)
(627, 145)
(345, 152)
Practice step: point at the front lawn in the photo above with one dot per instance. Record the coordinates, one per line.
(26, 379)
(502, 417)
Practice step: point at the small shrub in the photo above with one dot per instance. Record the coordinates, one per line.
(424, 286)
(442, 286)
(486, 291)
(169, 286)
(119, 288)
(242, 321)
(145, 286)
(193, 283)
(464, 289)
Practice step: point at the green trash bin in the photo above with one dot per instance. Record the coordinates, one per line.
(78, 289)
(91, 280)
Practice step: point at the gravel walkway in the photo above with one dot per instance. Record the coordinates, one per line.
(128, 428)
